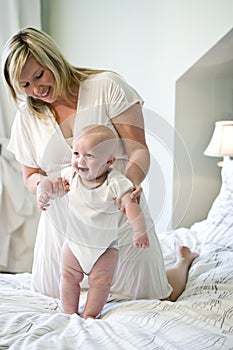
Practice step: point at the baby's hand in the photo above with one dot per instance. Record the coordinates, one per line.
(60, 187)
(44, 193)
(141, 241)
(43, 200)
(47, 190)
(66, 185)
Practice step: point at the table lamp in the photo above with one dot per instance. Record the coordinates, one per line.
(221, 143)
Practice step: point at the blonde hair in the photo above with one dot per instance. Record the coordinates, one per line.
(31, 42)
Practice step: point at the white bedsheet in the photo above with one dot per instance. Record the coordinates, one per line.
(202, 318)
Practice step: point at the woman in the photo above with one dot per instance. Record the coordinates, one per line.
(55, 100)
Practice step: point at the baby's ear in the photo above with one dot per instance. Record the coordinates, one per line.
(111, 160)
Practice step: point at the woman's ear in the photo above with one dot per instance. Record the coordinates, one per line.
(111, 160)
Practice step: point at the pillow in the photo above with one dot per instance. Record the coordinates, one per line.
(217, 229)
(221, 211)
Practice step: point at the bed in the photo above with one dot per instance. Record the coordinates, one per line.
(202, 318)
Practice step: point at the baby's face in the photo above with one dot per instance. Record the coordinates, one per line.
(90, 159)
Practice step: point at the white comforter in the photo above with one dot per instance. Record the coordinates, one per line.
(202, 318)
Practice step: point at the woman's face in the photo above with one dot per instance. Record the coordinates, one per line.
(37, 82)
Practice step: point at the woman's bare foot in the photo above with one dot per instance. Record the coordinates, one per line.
(186, 255)
(178, 274)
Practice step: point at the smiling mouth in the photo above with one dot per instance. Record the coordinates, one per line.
(45, 94)
(83, 170)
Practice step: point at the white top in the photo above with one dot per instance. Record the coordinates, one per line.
(93, 219)
(39, 143)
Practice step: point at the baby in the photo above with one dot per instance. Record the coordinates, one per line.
(91, 246)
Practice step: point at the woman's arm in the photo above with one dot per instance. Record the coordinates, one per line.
(31, 177)
(130, 127)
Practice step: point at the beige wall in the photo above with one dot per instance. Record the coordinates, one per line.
(152, 43)
(204, 95)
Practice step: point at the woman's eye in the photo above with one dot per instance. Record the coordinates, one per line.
(76, 154)
(40, 75)
(24, 85)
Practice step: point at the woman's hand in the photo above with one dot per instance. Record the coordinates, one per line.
(135, 195)
(47, 190)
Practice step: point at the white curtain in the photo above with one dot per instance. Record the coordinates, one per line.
(18, 212)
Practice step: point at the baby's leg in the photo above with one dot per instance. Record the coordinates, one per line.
(100, 280)
(71, 276)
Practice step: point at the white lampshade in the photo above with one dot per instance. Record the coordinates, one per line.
(221, 143)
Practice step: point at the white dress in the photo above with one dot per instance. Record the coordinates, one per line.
(39, 143)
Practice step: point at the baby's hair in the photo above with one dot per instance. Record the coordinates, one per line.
(102, 134)
(99, 130)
